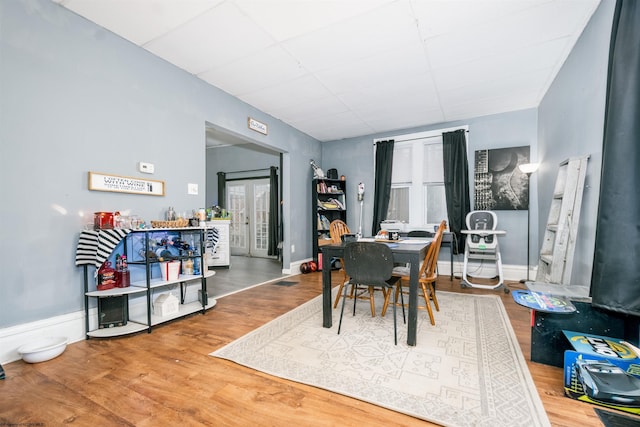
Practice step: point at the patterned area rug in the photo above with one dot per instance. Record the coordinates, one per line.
(467, 370)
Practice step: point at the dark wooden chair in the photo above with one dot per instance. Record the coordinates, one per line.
(369, 265)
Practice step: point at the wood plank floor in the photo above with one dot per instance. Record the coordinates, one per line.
(166, 378)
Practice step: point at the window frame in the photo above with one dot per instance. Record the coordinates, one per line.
(417, 217)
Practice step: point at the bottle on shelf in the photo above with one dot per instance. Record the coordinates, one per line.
(187, 267)
(123, 275)
(106, 277)
(171, 214)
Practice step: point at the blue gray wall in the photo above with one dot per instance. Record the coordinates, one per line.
(233, 159)
(355, 159)
(571, 123)
(76, 98)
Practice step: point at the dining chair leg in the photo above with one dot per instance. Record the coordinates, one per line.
(404, 316)
(338, 295)
(345, 279)
(428, 304)
(434, 297)
(354, 287)
(395, 319)
(385, 305)
(372, 301)
(344, 298)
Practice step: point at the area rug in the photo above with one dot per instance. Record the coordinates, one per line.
(467, 370)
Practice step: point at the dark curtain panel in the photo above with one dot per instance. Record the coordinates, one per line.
(615, 280)
(384, 164)
(222, 192)
(274, 208)
(456, 183)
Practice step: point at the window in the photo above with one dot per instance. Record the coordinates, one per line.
(417, 182)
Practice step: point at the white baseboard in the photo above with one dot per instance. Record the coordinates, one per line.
(510, 271)
(294, 267)
(69, 325)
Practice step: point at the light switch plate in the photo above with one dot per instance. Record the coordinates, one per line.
(192, 189)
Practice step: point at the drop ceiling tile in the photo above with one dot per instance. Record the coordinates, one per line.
(364, 36)
(125, 18)
(410, 91)
(303, 90)
(204, 43)
(496, 105)
(521, 30)
(336, 127)
(239, 77)
(525, 82)
(285, 19)
(436, 17)
(544, 56)
(318, 109)
(389, 65)
(405, 120)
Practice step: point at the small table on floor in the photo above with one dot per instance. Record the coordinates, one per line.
(412, 253)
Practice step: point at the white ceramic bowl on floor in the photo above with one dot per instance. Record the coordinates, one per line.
(43, 349)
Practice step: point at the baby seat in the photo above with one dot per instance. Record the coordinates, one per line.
(482, 244)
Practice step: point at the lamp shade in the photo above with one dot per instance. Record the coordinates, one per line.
(528, 168)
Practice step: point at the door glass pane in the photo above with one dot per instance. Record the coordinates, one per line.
(261, 220)
(238, 209)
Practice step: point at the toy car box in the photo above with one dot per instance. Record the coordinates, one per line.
(602, 370)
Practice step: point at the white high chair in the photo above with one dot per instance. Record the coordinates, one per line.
(482, 244)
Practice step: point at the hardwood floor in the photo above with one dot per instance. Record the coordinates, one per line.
(166, 378)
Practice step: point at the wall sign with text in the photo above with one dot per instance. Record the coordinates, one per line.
(258, 126)
(125, 184)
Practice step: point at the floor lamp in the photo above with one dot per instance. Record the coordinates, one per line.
(528, 169)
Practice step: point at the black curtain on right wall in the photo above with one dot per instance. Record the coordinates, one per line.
(615, 281)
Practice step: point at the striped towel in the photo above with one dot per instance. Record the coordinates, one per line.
(95, 246)
(211, 239)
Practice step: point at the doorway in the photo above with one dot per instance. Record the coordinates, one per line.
(248, 202)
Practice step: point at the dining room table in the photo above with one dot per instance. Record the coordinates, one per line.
(410, 251)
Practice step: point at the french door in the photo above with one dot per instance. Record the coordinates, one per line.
(248, 202)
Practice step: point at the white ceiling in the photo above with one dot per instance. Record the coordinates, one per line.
(342, 68)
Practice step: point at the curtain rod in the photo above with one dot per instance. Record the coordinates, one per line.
(415, 139)
(252, 170)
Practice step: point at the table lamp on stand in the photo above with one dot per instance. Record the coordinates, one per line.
(361, 200)
(528, 169)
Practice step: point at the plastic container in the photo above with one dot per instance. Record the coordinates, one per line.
(43, 349)
(170, 270)
(103, 220)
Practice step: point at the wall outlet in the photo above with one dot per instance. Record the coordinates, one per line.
(293, 249)
(192, 189)
(146, 167)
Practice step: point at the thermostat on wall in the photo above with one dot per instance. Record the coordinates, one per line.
(145, 167)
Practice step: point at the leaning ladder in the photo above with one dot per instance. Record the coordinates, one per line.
(558, 247)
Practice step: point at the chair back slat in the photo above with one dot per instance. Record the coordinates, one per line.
(336, 229)
(368, 263)
(428, 269)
